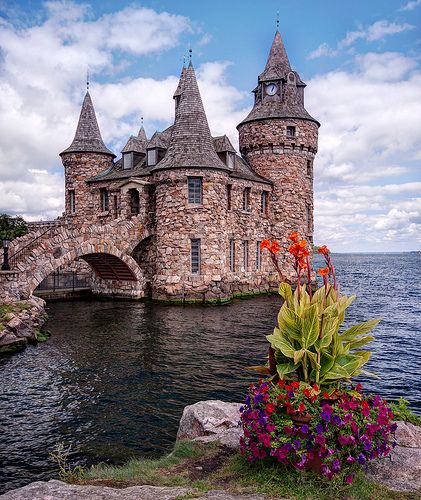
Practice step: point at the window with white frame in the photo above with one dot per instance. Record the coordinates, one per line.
(152, 157)
(105, 200)
(246, 199)
(290, 131)
(195, 190)
(245, 255)
(232, 255)
(195, 255)
(264, 202)
(127, 161)
(230, 159)
(258, 256)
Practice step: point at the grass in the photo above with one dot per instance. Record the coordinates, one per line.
(203, 467)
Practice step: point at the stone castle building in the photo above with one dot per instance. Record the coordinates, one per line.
(206, 206)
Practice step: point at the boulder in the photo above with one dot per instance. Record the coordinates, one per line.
(402, 470)
(43, 490)
(212, 421)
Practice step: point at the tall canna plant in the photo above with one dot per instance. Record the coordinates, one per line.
(307, 344)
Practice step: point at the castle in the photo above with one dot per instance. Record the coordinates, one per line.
(207, 207)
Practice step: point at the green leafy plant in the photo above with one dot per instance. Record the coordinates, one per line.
(307, 344)
(402, 412)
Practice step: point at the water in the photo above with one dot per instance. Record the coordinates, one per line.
(115, 376)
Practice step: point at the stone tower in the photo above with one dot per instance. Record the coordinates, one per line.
(279, 140)
(86, 157)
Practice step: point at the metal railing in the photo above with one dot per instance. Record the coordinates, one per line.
(66, 280)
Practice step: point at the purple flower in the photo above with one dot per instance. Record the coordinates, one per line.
(325, 416)
(319, 429)
(349, 479)
(336, 465)
(361, 459)
(336, 419)
(367, 446)
(343, 440)
(290, 394)
(258, 398)
(304, 429)
(297, 444)
(350, 459)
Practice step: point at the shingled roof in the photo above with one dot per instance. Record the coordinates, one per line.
(221, 144)
(290, 105)
(136, 144)
(191, 142)
(88, 136)
(277, 65)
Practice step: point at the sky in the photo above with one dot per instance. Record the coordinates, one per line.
(360, 60)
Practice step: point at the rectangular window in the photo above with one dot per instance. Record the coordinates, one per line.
(232, 255)
(105, 205)
(245, 255)
(195, 190)
(246, 200)
(127, 161)
(72, 201)
(290, 131)
(229, 191)
(152, 157)
(195, 256)
(308, 218)
(230, 160)
(309, 167)
(258, 256)
(264, 202)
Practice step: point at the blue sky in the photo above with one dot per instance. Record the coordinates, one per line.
(361, 61)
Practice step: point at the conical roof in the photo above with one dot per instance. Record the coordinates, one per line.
(88, 136)
(142, 134)
(180, 83)
(290, 104)
(277, 65)
(191, 143)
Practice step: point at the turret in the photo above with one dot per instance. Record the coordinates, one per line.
(278, 139)
(86, 157)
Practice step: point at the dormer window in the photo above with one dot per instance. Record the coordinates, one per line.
(230, 160)
(152, 157)
(127, 161)
(290, 131)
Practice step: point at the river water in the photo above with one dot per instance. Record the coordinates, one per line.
(115, 376)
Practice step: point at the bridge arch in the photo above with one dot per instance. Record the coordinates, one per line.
(115, 272)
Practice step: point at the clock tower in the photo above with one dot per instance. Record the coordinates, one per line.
(278, 139)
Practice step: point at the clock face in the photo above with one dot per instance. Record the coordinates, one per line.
(271, 89)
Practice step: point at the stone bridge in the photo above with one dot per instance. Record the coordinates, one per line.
(110, 249)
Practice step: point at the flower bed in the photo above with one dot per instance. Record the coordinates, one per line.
(351, 429)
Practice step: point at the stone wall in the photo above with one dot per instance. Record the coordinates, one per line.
(284, 160)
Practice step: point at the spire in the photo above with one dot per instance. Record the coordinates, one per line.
(88, 136)
(142, 134)
(179, 88)
(191, 142)
(277, 65)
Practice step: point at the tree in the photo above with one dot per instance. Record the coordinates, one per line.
(11, 227)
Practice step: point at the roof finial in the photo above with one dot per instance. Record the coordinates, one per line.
(141, 120)
(277, 20)
(87, 80)
(190, 52)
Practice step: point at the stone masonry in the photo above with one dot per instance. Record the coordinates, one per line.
(180, 216)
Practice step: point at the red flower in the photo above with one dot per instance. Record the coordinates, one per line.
(316, 387)
(270, 408)
(295, 384)
(307, 393)
(264, 244)
(293, 236)
(281, 383)
(301, 407)
(274, 248)
(358, 387)
(323, 249)
(323, 271)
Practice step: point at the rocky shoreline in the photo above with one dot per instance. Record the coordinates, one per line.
(209, 421)
(21, 324)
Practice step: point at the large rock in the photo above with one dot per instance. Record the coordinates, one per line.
(212, 421)
(53, 490)
(402, 471)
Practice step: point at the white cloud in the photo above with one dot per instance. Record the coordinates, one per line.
(376, 31)
(370, 135)
(411, 5)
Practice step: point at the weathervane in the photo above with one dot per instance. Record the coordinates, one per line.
(141, 120)
(87, 79)
(190, 53)
(277, 20)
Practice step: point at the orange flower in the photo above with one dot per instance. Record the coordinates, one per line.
(323, 249)
(293, 236)
(302, 264)
(303, 243)
(324, 271)
(264, 244)
(274, 248)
